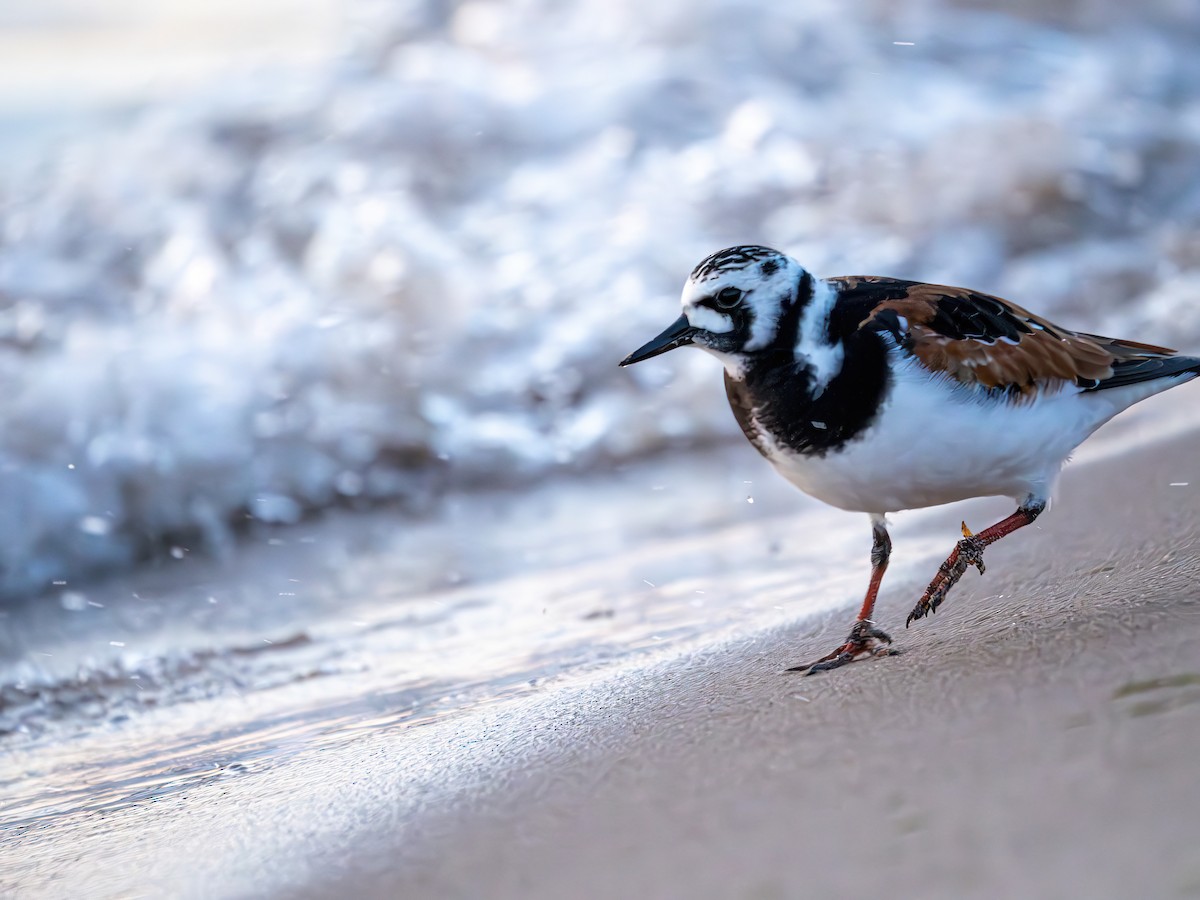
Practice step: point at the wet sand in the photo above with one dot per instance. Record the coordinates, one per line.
(1040, 737)
(1037, 738)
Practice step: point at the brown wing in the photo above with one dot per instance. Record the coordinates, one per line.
(980, 339)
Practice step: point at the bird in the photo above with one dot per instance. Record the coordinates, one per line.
(876, 395)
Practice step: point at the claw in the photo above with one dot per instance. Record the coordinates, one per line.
(865, 641)
(825, 665)
(969, 552)
(927, 605)
(865, 630)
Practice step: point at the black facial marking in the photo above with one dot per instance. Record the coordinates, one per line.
(787, 332)
(732, 259)
(742, 317)
(769, 268)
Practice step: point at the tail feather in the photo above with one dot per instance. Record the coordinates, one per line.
(1135, 369)
(1123, 349)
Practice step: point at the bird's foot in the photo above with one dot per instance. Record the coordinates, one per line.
(968, 552)
(865, 641)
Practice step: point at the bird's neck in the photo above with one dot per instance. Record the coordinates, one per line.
(813, 344)
(800, 399)
(804, 350)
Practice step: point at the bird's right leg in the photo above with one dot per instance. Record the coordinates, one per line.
(865, 639)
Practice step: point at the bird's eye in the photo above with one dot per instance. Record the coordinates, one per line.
(728, 298)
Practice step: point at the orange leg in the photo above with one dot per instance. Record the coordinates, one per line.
(865, 639)
(969, 552)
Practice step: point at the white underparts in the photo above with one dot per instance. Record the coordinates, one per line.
(813, 348)
(936, 441)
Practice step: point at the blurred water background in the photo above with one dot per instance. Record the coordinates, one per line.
(310, 315)
(402, 253)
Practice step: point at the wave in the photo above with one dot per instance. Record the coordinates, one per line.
(417, 268)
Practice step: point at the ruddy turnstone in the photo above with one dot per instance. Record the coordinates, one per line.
(877, 395)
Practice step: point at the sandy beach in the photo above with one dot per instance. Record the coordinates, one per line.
(1037, 738)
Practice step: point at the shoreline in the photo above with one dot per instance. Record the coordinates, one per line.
(1043, 747)
(1018, 748)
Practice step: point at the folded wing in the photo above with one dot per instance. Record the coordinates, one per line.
(978, 339)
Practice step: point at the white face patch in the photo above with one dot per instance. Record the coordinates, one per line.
(708, 319)
(812, 343)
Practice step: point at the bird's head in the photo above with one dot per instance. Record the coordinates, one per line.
(734, 304)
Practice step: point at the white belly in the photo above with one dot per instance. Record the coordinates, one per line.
(936, 442)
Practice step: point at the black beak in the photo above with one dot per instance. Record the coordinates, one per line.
(678, 334)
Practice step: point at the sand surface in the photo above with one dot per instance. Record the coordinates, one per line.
(1040, 737)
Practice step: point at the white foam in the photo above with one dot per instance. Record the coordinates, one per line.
(422, 266)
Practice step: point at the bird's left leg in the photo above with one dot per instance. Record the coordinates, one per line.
(865, 639)
(969, 552)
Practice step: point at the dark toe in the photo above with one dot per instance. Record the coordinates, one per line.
(836, 663)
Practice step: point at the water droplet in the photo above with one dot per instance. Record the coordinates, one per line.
(96, 525)
(73, 600)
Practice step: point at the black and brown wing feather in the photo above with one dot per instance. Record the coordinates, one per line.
(978, 339)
